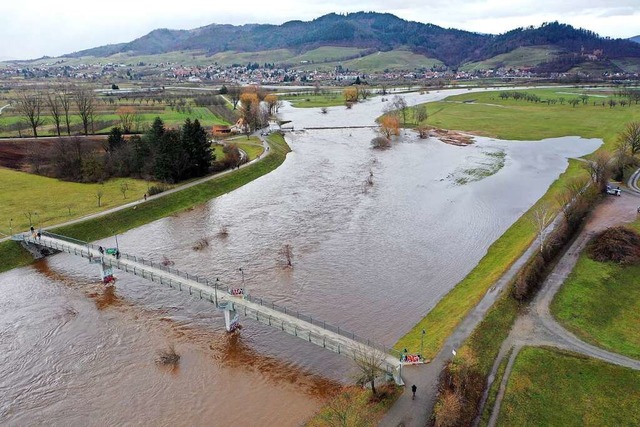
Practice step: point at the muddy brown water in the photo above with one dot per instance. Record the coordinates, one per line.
(370, 258)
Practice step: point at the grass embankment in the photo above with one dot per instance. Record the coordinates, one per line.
(354, 407)
(510, 119)
(514, 120)
(152, 210)
(553, 388)
(445, 316)
(600, 303)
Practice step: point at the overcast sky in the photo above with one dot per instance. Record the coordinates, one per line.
(44, 27)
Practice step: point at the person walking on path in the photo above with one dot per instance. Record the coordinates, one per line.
(413, 390)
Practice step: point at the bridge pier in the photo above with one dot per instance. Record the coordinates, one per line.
(106, 271)
(231, 317)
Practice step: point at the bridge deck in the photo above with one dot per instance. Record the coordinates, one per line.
(287, 320)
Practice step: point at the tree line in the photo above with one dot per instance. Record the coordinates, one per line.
(162, 154)
(60, 103)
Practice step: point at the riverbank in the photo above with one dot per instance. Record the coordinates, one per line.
(12, 255)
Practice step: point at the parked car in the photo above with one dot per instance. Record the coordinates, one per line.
(613, 191)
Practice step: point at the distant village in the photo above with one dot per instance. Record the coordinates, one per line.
(268, 74)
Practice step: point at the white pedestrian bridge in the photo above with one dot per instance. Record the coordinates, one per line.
(285, 319)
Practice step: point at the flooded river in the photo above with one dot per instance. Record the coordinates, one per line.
(370, 258)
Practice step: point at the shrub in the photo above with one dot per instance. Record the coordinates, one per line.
(380, 142)
(157, 189)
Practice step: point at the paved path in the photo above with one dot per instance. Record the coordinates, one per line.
(537, 327)
(133, 204)
(3, 107)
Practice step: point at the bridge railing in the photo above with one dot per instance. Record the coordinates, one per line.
(324, 325)
(256, 300)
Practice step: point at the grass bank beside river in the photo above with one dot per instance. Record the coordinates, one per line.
(486, 113)
(12, 255)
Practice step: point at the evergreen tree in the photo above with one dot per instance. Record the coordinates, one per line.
(115, 140)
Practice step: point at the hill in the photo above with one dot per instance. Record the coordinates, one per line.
(375, 32)
(635, 39)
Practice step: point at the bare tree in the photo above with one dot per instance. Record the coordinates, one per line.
(571, 199)
(364, 92)
(85, 102)
(55, 109)
(421, 114)
(234, 93)
(124, 187)
(630, 136)
(29, 216)
(127, 115)
(64, 97)
(423, 132)
(99, 194)
(169, 356)
(342, 411)
(599, 169)
(369, 362)
(542, 217)
(30, 106)
(399, 103)
(380, 142)
(287, 254)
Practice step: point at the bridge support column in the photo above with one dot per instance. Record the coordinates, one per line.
(106, 273)
(397, 375)
(231, 318)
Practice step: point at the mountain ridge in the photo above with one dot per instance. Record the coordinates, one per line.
(381, 31)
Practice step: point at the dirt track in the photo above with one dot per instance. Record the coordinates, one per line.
(538, 327)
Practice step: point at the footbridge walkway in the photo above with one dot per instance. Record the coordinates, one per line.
(287, 320)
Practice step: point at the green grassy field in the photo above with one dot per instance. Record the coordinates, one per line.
(57, 201)
(309, 100)
(520, 57)
(550, 388)
(11, 255)
(521, 120)
(171, 118)
(393, 60)
(453, 307)
(600, 303)
(159, 208)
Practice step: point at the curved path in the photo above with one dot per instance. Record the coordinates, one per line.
(538, 327)
(265, 153)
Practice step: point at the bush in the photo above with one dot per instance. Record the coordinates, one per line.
(156, 189)
(380, 142)
(617, 244)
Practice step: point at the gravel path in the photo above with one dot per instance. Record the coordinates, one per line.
(537, 327)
